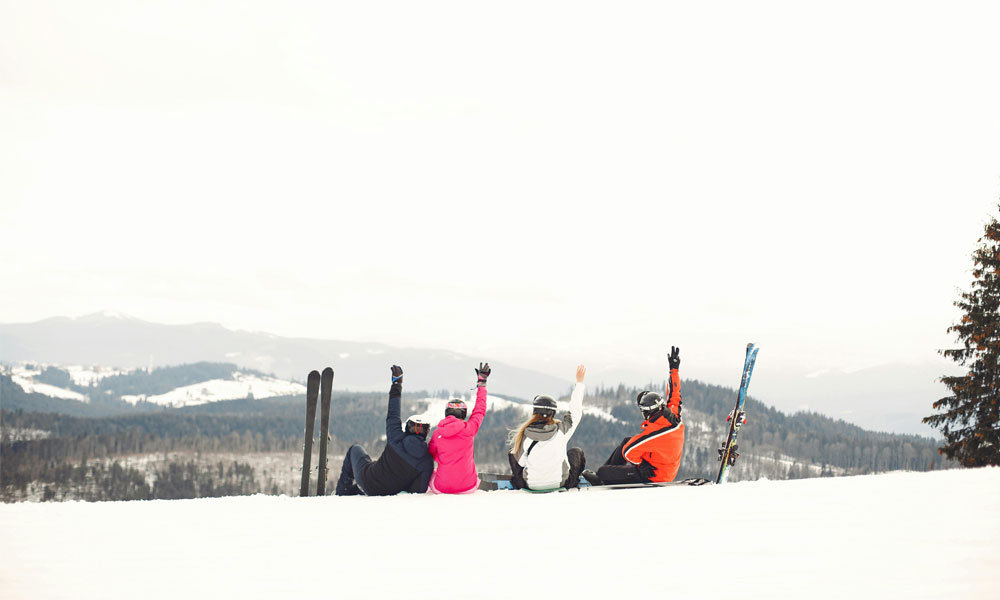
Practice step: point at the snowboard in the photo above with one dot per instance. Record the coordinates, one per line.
(495, 481)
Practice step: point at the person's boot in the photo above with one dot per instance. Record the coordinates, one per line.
(592, 477)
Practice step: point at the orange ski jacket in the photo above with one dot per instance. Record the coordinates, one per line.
(661, 441)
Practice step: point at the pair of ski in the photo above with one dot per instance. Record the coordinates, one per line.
(727, 452)
(321, 387)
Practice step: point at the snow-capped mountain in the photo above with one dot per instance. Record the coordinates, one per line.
(240, 385)
(119, 341)
(233, 384)
(24, 376)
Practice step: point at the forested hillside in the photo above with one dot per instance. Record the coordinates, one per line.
(249, 446)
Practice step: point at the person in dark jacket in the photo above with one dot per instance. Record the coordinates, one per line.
(405, 464)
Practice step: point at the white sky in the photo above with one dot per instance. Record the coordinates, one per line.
(531, 181)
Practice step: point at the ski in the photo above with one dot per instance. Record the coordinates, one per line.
(326, 390)
(728, 451)
(312, 391)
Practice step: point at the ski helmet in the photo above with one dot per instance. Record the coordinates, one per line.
(649, 403)
(417, 425)
(544, 405)
(456, 408)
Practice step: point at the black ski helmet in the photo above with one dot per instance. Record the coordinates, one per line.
(649, 403)
(456, 408)
(544, 405)
(417, 425)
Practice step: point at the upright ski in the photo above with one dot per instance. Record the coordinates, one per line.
(727, 453)
(326, 390)
(312, 391)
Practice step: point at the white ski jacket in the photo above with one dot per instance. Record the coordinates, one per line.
(543, 450)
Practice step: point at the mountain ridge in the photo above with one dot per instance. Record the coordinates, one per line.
(134, 343)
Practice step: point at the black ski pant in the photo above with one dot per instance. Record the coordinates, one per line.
(351, 473)
(618, 470)
(577, 463)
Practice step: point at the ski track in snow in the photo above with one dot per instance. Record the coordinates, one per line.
(897, 535)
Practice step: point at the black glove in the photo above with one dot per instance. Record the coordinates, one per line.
(646, 470)
(397, 374)
(482, 373)
(675, 358)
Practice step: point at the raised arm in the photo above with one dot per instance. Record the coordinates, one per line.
(479, 410)
(674, 401)
(393, 420)
(576, 401)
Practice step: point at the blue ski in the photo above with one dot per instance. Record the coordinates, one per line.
(727, 453)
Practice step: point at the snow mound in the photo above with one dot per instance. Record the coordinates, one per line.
(848, 537)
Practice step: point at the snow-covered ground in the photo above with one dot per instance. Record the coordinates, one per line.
(24, 375)
(32, 387)
(898, 535)
(90, 375)
(240, 386)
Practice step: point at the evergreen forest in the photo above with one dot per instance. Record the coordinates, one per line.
(109, 452)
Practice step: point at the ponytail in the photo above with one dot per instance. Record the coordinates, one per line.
(515, 439)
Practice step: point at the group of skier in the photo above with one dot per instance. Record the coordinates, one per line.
(539, 455)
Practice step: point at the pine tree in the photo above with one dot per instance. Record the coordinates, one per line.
(971, 418)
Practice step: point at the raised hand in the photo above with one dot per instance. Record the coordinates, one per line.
(397, 374)
(482, 373)
(675, 358)
(581, 371)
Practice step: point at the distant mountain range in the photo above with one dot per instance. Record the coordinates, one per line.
(56, 418)
(883, 398)
(113, 340)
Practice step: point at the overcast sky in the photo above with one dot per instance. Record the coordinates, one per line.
(531, 181)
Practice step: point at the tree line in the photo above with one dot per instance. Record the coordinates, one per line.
(773, 445)
(96, 482)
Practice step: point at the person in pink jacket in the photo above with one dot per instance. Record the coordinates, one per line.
(452, 443)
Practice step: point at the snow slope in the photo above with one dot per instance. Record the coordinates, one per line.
(240, 386)
(898, 535)
(32, 387)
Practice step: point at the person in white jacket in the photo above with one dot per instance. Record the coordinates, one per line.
(538, 456)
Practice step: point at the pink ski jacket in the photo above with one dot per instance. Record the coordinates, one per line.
(451, 446)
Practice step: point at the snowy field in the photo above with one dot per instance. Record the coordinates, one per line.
(241, 385)
(898, 535)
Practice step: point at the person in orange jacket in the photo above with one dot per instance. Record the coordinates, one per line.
(653, 454)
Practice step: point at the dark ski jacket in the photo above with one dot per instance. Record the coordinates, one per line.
(405, 464)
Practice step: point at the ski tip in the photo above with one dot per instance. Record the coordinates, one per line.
(313, 375)
(328, 372)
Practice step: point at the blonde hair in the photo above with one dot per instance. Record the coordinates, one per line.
(515, 439)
